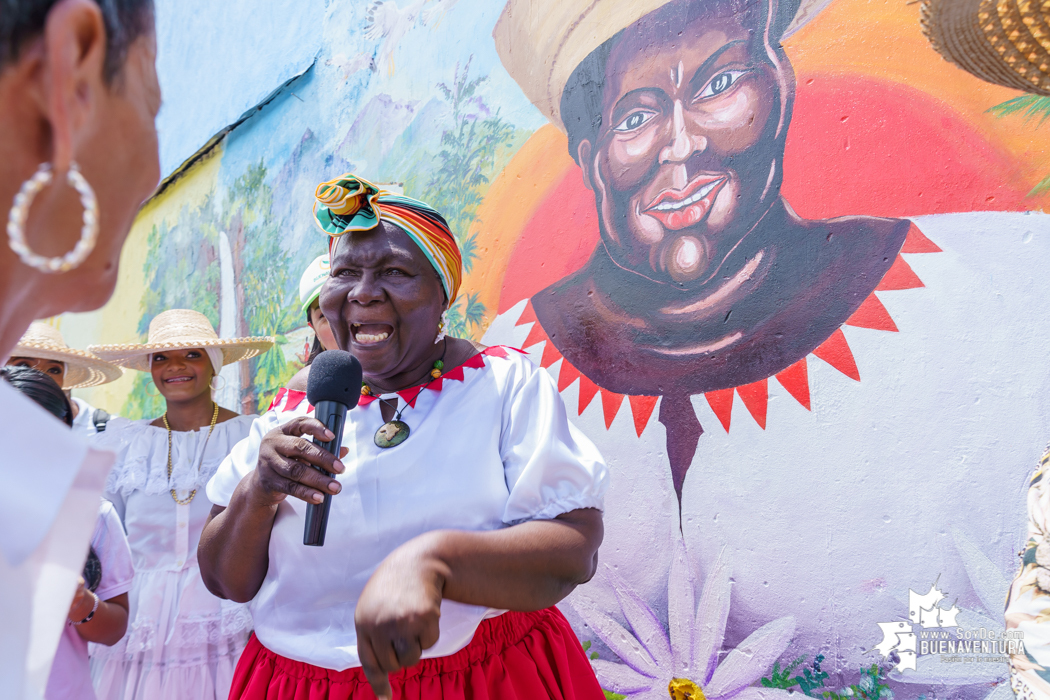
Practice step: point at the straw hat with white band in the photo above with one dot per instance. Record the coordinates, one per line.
(44, 342)
(1006, 42)
(541, 42)
(181, 329)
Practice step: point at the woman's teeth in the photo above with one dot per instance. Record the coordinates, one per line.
(175, 380)
(369, 337)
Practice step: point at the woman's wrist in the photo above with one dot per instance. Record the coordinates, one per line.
(427, 554)
(255, 496)
(95, 601)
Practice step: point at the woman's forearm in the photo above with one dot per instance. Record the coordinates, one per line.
(525, 567)
(108, 624)
(234, 548)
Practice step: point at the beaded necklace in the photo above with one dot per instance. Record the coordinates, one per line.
(395, 431)
(214, 420)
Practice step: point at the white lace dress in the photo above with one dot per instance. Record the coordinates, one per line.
(182, 642)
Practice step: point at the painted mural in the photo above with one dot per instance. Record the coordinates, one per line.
(785, 263)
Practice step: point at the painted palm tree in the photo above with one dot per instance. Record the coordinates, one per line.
(1032, 108)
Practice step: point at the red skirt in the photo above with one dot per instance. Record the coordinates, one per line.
(516, 656)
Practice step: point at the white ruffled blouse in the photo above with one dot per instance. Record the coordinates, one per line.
(170, 606)
(491, 445)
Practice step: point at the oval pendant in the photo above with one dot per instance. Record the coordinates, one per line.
(392, 434)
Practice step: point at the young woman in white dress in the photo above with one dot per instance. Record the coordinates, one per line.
(182, 641)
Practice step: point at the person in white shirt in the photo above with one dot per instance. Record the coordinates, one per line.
(182, 641)
(467, 505)
(78, 102)
(43, 348)
(99, 612)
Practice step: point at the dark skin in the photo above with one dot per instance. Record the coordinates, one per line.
(384, 302)
(109, 623)
(57, 106)
(183, 378)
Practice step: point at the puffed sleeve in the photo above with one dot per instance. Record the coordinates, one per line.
(551, 467)
(241, 460)
(114, 553)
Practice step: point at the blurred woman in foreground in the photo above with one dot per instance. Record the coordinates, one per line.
(78, 155)
(99, 612)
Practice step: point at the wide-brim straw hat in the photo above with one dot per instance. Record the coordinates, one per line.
(181, 329)
(1006, 42)
(45, 342)
(541, 42)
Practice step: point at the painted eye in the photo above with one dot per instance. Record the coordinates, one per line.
(721, 82)
(634, 120)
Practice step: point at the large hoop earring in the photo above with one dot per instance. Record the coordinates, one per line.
(16, 221)
(154, 394)
(212, 383)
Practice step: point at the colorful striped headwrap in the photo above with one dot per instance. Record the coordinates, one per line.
(348, 203)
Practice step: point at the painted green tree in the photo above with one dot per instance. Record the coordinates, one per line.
(264, 286)
(1033, 108)
(464, 166)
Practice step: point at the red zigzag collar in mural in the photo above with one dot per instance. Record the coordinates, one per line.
(795, 379)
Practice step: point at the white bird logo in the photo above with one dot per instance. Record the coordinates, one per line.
(388, 23)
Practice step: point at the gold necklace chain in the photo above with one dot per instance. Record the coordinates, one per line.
(214, 420)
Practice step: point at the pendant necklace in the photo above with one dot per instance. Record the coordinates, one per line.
(395, 431)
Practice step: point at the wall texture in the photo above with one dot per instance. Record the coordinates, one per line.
(787, 267)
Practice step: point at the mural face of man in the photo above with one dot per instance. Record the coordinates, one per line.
(687, 156)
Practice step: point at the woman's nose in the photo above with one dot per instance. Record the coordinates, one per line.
(366, 290)
(683, 143)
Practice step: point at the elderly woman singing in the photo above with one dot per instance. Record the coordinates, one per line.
(466, 506)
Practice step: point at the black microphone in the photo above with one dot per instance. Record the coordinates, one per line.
(334, 387)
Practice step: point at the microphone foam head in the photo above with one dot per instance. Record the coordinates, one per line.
(335, 375)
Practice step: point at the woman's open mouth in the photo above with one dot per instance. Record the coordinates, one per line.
(370, 333)
(178, 380)
(678, 209)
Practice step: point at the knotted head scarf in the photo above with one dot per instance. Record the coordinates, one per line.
(348, 203)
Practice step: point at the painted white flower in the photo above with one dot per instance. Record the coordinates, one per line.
(682, 662)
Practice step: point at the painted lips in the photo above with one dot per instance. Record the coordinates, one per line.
(678, 209)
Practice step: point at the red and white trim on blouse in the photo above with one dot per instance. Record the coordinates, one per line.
(795, 379)
(292, 398)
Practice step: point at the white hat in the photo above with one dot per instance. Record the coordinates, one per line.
(313, 279)
(44, 342)
(181, 329)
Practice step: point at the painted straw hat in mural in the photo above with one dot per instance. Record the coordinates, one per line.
(541, 42)
(1006, 42)
(44, 342)
(181, 329)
